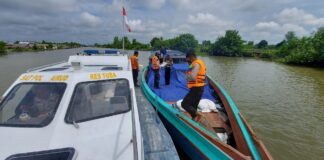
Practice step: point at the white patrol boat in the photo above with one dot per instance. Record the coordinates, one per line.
(83, 109)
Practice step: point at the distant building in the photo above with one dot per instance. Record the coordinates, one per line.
(9, 45)
(23, 43)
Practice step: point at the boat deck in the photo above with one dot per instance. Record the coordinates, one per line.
(156, 139)
(213, 122)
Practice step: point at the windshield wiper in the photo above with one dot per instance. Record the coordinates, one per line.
(76, 125)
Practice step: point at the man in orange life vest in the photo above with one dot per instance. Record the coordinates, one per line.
(196, 77)
(135, 68)
(156, 69)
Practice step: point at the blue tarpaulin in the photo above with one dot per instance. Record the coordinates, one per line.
(178, 84)
(91, 51)
(111, 51)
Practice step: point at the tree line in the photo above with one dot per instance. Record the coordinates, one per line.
(308, 50)
(183, 42)
(2, 47)
(36, 46)
(117, 43)
(292, 49)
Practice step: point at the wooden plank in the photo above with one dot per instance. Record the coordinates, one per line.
(232, 152)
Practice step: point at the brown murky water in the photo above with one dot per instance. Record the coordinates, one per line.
(284, 104)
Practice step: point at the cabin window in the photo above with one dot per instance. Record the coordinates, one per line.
(31, 104)
(97, 99)
(54, 69)
(55, 154)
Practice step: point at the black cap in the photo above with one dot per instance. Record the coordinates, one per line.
(190, 54)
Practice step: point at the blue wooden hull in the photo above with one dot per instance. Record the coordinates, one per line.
(196, 141)
(182, 141)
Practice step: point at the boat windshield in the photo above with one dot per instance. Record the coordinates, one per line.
(31, 104)
(92, 100)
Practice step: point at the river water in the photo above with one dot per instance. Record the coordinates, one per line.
(283, 104)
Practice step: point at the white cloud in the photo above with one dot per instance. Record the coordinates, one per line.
(184, 28)
(299, 30)
(153, 4)
(90, 20)
(268, 26)
(207, 19)
(290, 19)
(47, 6)
(149, 26)
(114, 6)
(299, 16)
(136, 25)
(271, 28)
(182, 3)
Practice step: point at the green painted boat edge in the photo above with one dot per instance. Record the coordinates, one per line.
(246, 134)
(205, 147)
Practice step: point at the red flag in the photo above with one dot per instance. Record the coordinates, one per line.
(124, 11)
(125, 20)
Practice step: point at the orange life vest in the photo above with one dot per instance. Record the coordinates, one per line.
(155, 62)
(201, 75)
(134, 62)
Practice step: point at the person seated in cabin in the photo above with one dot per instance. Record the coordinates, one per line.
(39, 104)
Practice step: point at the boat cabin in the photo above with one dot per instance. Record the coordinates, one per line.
(81, 109)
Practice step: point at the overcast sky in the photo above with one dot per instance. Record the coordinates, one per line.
(90, 21)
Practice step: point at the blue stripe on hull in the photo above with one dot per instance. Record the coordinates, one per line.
(181, 141)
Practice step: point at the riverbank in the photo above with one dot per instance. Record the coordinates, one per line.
(22, 50)
(307, 50)
(32, 46)
(269, 55)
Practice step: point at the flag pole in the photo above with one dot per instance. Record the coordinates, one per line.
(123, 34)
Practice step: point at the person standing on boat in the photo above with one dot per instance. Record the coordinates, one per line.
(196, 76)
(169, 62)
(162, 54)
(135, 67)
(156, 69)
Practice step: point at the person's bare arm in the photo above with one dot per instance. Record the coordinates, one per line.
(156, 60)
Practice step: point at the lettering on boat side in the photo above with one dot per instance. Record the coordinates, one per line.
(60, 78)
(99, 76)
(31, 78)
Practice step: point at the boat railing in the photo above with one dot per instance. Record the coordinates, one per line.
(45, 66)
(134, 139)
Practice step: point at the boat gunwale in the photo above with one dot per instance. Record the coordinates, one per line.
(236, 121)
(265, 154)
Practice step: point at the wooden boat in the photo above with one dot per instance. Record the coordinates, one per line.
(201, 140)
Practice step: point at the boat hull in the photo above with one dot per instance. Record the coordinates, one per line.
(183, 134)
(199, 143)
(178, 138)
